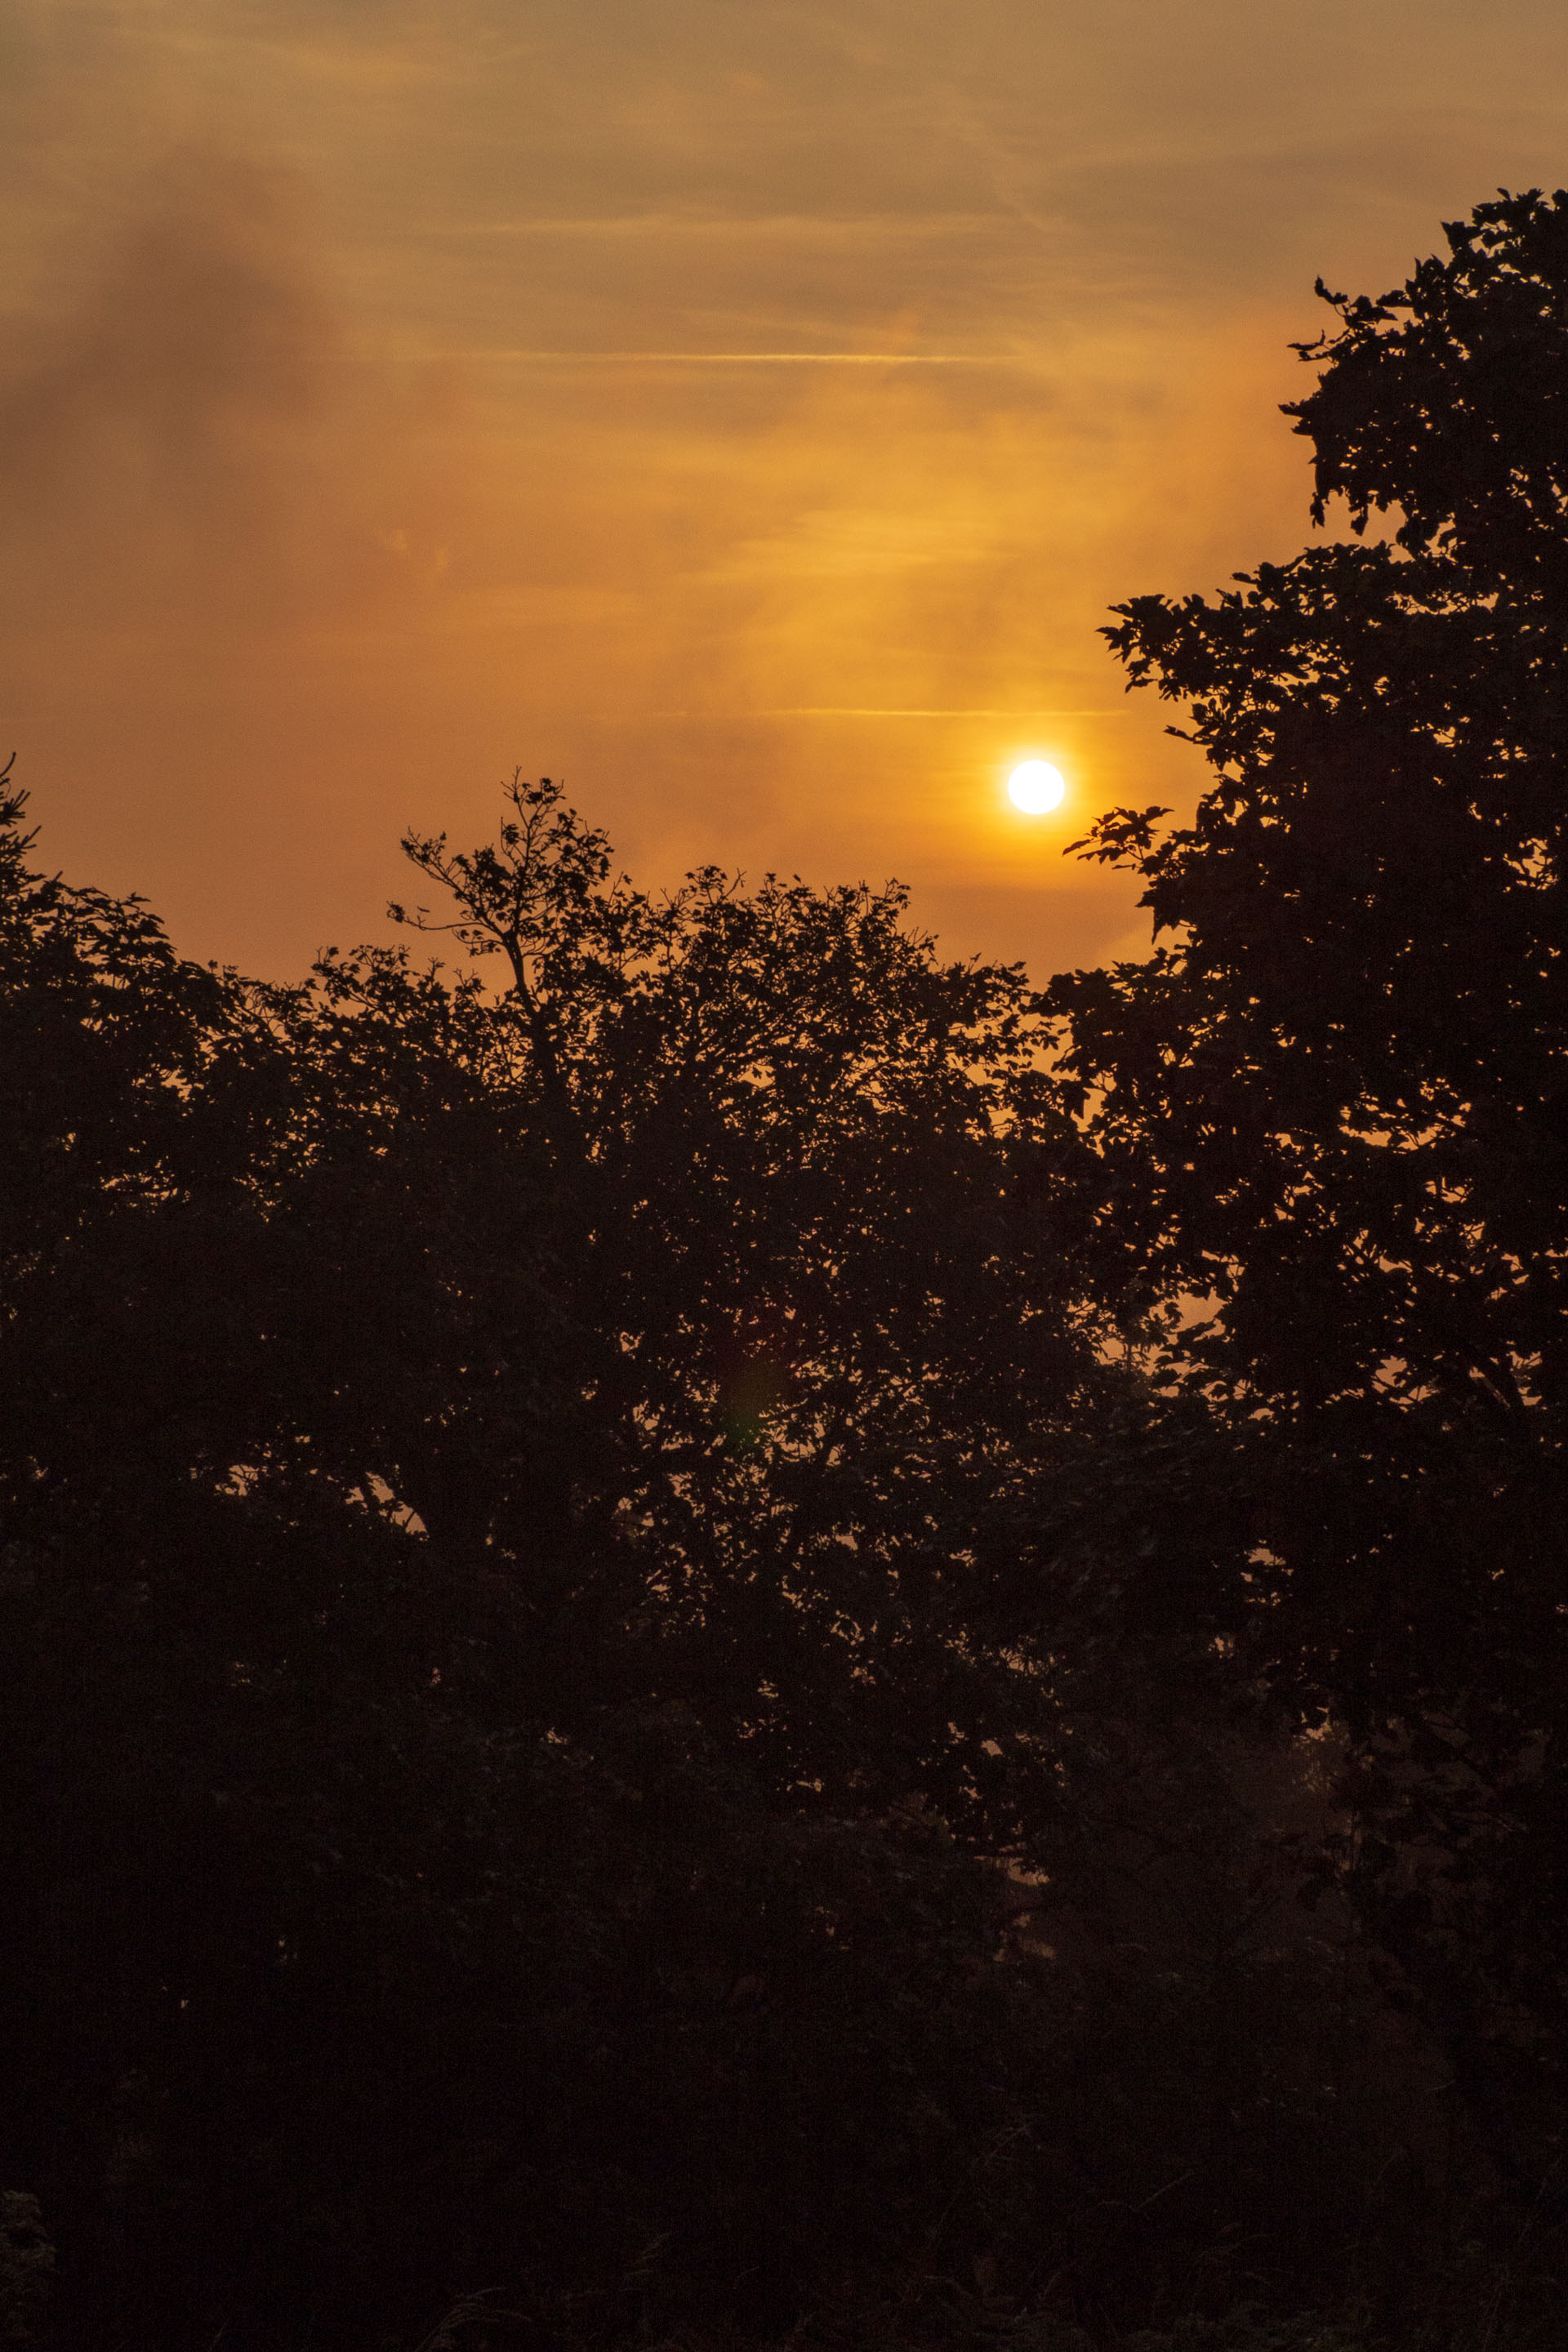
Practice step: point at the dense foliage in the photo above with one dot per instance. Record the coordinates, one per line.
(1336, 1112)
(537, 1526)
(708, 1630)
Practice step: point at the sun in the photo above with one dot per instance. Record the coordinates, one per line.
(1036, 786)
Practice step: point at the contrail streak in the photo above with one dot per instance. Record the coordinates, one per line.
(752, 358)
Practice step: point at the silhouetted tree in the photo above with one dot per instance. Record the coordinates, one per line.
(541, 1531)
(1334, 1112)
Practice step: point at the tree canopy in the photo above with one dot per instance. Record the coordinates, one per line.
(1333, 1103)
(526, 1510)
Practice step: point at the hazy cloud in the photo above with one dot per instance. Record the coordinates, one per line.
(336, 475)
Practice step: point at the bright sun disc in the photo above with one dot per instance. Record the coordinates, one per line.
(1035, 787)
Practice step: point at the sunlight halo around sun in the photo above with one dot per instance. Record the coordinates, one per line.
(1034, 787)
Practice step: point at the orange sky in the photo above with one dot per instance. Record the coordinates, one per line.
(745, 411)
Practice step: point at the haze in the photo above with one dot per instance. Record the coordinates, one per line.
(744, 411)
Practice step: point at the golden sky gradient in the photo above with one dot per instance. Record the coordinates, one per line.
(745, 411)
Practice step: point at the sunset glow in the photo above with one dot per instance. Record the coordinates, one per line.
(748, 414)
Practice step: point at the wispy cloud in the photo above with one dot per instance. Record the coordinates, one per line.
(745, 356)
(835, 711)
(831, 227)
(752, 358)
(743, 718)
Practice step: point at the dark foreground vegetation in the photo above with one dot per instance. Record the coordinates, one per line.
(712, 1634)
